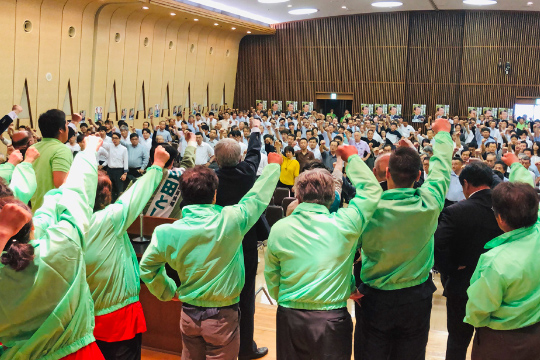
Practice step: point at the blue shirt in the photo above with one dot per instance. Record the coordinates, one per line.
(137, 155)
(165, 134)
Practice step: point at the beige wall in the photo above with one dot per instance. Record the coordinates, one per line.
(94, 63)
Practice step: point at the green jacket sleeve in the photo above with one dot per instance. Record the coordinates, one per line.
(153, 274)
(520, 174)
(484, 281)
(368, 193)
(440, 167)
(23, 182)
(132, 202)
(6, 171)
(188, 161)
(272, 271)
(253, 204)
(69, 208)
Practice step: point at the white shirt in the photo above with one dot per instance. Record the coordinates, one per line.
(146, 142)
(455, 190)
(243, 149)
(316, 153)
(203, 153)
(262, 164)
(118, 157)
(406, 131)
(73, 148)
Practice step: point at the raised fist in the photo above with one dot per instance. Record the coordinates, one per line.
(509, 159)
(441, 125)
(12, 219)
(345, 151)
(76, 118)
(190, 136)
(31, 155)
(93, 142)
(161, 156)
(275, 158)
(15, 158)
(17, 109)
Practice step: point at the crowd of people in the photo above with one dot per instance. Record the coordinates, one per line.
(381, 205)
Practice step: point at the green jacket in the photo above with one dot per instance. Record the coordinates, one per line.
(21, 179)
(311, 252)
(397, 245)
(205, 248)
(112, 270)
(46, 310)
(505, 288)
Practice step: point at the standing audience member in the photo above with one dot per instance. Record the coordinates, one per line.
(117, 163)
(205, 249)
(55, 160)
(111, 263)
(47, 310)
(138, 156)
(290, 168)
(504, 296)
(397, 253)
(204, 155)
(313, 299)
(304, 154)
(463, 231)
(455, 190)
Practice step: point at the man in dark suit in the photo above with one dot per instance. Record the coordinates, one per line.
(464, 228)
(9, 118)
(236, 178)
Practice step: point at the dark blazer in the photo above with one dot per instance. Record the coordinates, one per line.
(463, 231)
(236, 181)
(4, 123)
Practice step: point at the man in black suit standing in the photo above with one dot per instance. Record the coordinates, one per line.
(236, 178)
(464, 228)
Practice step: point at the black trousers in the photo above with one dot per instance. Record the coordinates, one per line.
(117, 184)
(121, 350)
(247, 303)
(358, 315)
(313, 335)
(519, 344)
(394, 331)
(459, 332)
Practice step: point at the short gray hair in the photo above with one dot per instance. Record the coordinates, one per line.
(227, 152)
(315, 186)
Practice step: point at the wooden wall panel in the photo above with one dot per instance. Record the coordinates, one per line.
(92, 61)
(445, 57)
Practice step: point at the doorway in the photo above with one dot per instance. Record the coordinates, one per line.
(339, 106)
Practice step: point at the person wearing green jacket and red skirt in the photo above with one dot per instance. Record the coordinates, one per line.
(309, 262)
(205, 249)
(46, 310)
(112, 269)
(504, 295)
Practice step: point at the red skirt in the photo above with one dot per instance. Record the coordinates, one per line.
(89, 352)
(122, 324)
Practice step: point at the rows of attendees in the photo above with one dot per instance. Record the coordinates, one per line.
(366, 225)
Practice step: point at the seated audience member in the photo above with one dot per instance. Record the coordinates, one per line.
(55, 158)
(166, 200)
(47, 310)
(504, 295)
(397, 253)
(111, 272)
(463, 231)
(315, 306)
(205, 249)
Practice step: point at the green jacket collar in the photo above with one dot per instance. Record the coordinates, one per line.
(398, 194)
(311, 207)
(200, 210)
(51, 140)
(510, 236)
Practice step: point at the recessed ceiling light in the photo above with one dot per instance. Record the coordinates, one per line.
(249, 32)
(234, 28)
(479, 2)
(387, 4)
(529, 3)
(195, 19)
(289, 5)
(303, 11)
(145, 7)
(272, 1)
(216, 24)
(344, 7)
(218, 5)
(173, 14)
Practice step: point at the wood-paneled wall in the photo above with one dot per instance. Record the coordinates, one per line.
(166, 53)
(445, 57)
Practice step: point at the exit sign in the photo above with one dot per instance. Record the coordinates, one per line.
(334, 97)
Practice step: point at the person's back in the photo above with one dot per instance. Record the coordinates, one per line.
(53, 165)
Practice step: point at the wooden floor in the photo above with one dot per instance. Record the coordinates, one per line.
(265, 325)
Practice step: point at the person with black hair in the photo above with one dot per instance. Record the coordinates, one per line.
(111, 266)
(138, 156)
(504, 295)
(55, 160)
(397, 253)
(463, 231)
(47, 309)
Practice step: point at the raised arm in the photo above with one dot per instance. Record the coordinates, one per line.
(23, 183)
(6, 169)
(188, 161)
(518, 173)
(440, 164)
(253, 154)
(356, 216)
(252, 205)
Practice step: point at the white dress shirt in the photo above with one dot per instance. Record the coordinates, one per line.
(262, 164)
(316, 153)
(406, 131)
(203, 153)
(455, 190)
(118, 157)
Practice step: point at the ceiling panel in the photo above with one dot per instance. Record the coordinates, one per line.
(278, 12)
